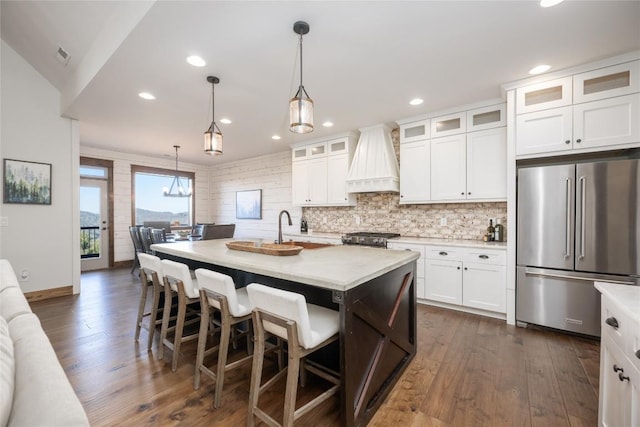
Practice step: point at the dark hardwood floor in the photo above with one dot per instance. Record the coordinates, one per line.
(469, 370)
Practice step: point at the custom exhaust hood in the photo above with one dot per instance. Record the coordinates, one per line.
(374, 167)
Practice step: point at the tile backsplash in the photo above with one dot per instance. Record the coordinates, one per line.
(382, 212)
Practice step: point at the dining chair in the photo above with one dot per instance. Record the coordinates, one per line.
(145, 237)
(178, 282)
(158, 235)
(218, 231)
(196, 232)
(150, 277)
(137, 246)
(218, 293)
(306, 328)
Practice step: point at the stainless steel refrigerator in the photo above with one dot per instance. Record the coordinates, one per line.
(576, 223)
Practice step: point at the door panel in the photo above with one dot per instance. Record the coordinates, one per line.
(94, 221)
(608, 217)
(545, 216)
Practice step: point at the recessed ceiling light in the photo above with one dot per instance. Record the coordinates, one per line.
(549, 3)
(276, 137)
(416, 101)
(225, 121)
(147, 96)
(327, 124)
(196, 61)
(539, 69)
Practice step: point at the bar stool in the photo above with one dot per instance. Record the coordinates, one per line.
(306, 328)
(218, 292)
(178, 281)
(150, 276)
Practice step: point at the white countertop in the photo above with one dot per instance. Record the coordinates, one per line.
(336, 267)
(414, 240)
(627, 297)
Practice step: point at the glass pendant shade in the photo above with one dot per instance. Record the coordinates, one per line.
(301, 112)
(213, 141)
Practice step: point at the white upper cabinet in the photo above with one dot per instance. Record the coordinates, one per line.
(319, 170)
(451, 124)
(607, 82)
(542, 96)
(415, 131)
(602, 113)
(415, 176)
(448, 168)
(489, 117)
(487, 164)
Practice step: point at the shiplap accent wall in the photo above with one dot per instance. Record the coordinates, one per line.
(122, 245)
(270, 173)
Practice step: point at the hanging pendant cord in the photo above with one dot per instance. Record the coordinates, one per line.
(213, 103)
(301, 60)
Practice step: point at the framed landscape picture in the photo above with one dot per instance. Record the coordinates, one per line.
(249, 204)
(27, 182)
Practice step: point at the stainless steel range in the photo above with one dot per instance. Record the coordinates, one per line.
(364, 238)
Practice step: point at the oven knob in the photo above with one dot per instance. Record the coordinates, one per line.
(362, 240)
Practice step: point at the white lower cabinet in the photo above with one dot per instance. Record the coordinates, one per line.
(619, 395)
(420, 291)
(469, 277)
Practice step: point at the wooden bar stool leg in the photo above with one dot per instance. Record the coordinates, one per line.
(293, 371)
(225, 334)
(256, 368)
(166, 314)
(154, 315)
(177, 338)
(143, 301)
(202, 343)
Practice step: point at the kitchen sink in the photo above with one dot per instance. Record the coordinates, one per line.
(307, 245)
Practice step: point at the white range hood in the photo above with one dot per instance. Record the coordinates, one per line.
(374, 167)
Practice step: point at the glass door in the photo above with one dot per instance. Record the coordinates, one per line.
(94, 234)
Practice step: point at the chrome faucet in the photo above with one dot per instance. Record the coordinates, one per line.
(280, 225)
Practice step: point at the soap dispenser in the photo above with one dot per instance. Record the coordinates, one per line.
(303, 225)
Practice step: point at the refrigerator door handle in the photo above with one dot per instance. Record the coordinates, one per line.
(533, 272)
(583, 211)
(567, 248)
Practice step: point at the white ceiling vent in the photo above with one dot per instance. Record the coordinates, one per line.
(62, 56)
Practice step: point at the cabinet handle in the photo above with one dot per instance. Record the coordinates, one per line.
(466, 268)
(568, 141)
(458, 268)
(483, 256)
(578, 140)
(469, 193)
(638, 354)
(612, 321)
(401, 196)
(462, 194)
(622, 377)
(617, 368)
(443, 253)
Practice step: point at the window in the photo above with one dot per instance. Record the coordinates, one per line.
(148, 202)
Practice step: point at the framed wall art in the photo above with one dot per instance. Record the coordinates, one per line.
(249, 204)
(27, 182)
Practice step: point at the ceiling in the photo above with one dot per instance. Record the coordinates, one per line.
(363, 62)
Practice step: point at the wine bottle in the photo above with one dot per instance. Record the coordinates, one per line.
(491, 231)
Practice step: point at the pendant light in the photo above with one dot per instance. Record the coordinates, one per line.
(180, 191)
(301, 106)
(213, 136)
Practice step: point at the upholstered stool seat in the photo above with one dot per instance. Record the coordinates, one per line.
(178, 281)
(218, 293)
(306, 328)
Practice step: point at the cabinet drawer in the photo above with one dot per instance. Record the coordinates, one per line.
(611, 317)
(415, 131)
(444, 253)
(480, 256)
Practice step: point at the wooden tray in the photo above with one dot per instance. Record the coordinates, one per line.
(265, 248)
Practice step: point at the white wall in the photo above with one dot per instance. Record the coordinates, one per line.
(271, 174)
(123, 247)
(39, 238)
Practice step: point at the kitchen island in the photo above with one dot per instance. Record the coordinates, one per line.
(373, 290)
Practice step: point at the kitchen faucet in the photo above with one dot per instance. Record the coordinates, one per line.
(280, 224)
